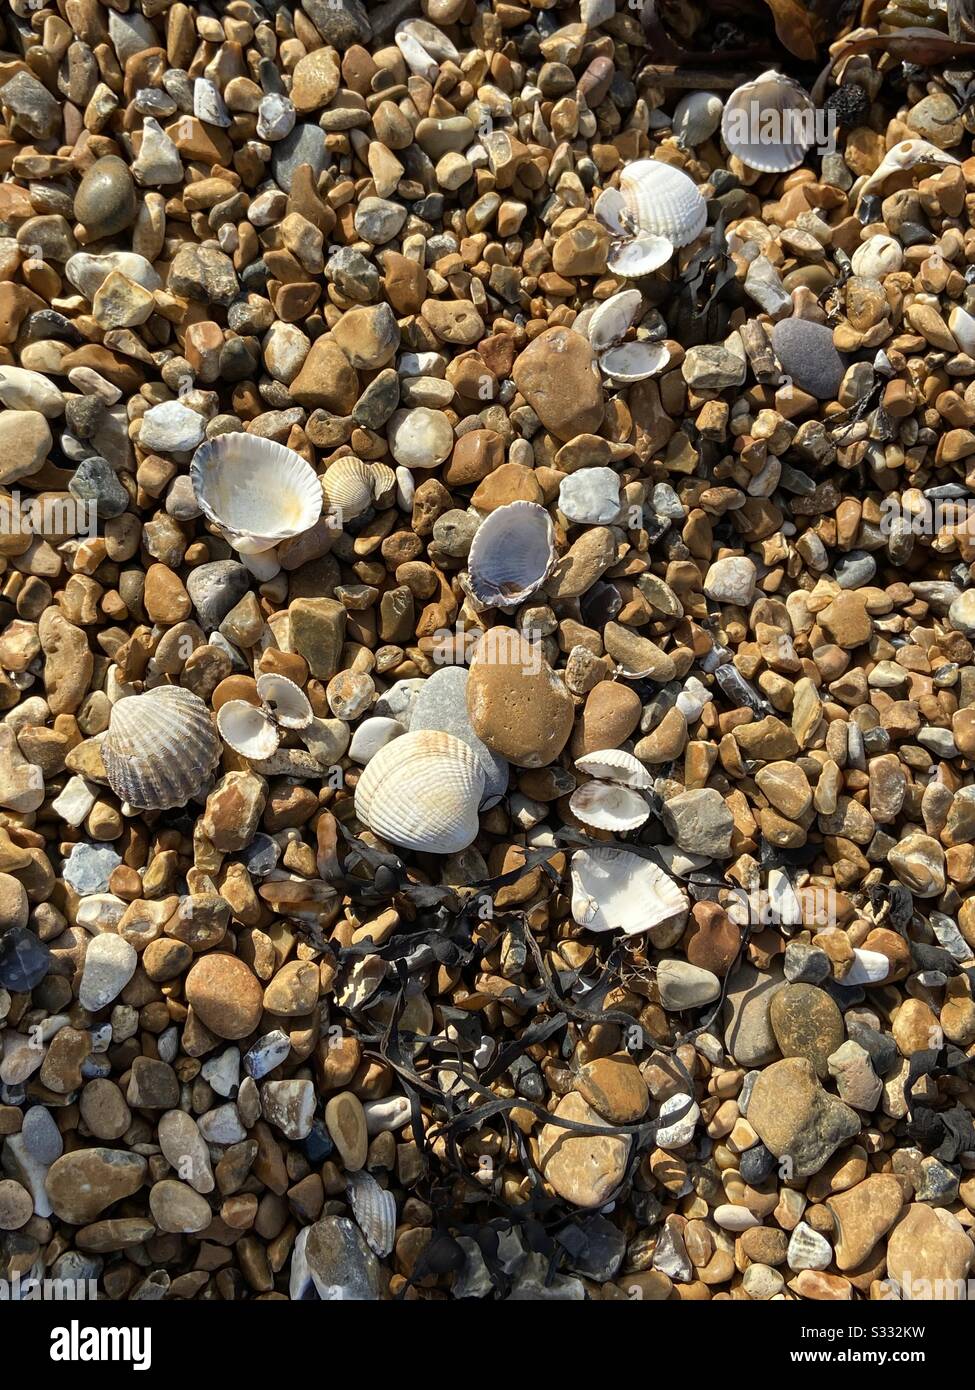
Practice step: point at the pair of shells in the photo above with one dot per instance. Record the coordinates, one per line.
(613, 800)
(422, 792)
(606, 328)
(257, 492)
(160, 749)
(616, 890)
(512, 555)
(350, 487)
(255, 731)
(656, 210)
(769, 124)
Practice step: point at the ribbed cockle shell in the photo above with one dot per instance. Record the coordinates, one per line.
(256, 491)
(160, 749)
(422, 791)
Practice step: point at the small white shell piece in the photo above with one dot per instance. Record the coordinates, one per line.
(247, 729)
(615, 765)
(663, 201)
(906, 154)
(257, 492)
(696, 117)
(609, 806)
(634, 361)
(616, 890)
(374, 1209)
(422, 792)
(512, 555)
(769, 123)
(609, 321)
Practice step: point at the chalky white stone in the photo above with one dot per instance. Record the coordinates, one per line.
(110, 963)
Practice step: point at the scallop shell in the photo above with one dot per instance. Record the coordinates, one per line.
(609, 806)
(374, 1209)
(347, 487)
(775, 103)
(422, 791)
(285, 702)
(634, 361)
(696, 117)
(616, 890)
(641, 256)
(160, 749)
(663, 201)
(609, 321)
(615, 765)
(512, 554)
(256, 491)
(247, 729)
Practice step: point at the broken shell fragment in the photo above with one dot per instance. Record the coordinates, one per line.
(347, 488)
(512, 554)
(422, 792)
(160, 748)
(616, 890)
(615, 765)
(906, 154)
(257, 492)
(374, 1208)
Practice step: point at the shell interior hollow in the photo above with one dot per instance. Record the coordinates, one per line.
(247, 729)
(614, 889)
(769, 123)
(286, 702)
(634, 361)
(512, 554)
(610, 320)
(663, 201)
(609, 806)
(423, 792)
(640, 256)
(160, 748)
(258, 492)
(615, 765)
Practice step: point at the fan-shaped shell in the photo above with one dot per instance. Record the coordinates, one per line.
(634, 361)
(615, 765)
(616, 890)
(287, 703)
(641, 256)
(422, 791)
(512, 554)
(160, 748)
(696, 117)
(347, 487)
(374, 1209)
(609, 321)
(609, 806)
(769, 123)
(247, 729)
(663, 201)
(256, 491)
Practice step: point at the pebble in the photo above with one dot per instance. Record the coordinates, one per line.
(796, 1119)
(110, 963)
(584, 1169)
(808, 356)
(518, 707)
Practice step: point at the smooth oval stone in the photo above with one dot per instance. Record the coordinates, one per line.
(105, 202)
(807, 354)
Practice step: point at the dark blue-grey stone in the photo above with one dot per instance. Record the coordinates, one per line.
(595, 1248)
(95, 480)
(808, 356)
(261, 855)
(215, 588)
(24, 960)
(305, 145)
(756, 1164)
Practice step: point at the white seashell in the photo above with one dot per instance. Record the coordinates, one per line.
(616, 765)
(160, 748)
(769, 123)
(962, 325)
(384, 485)
(696, 117)
(609, 806)
(285, 702)
(634, 361)
(247, 729)
(616, 890)
(256, 491)
(422, 791)
(609, 321)
(663, 201)
(609, 208)
(374, 1209)
(641, 256)
(347, 487)
(876, 257)
(868, 968)
(512, 554)
(906, 154)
